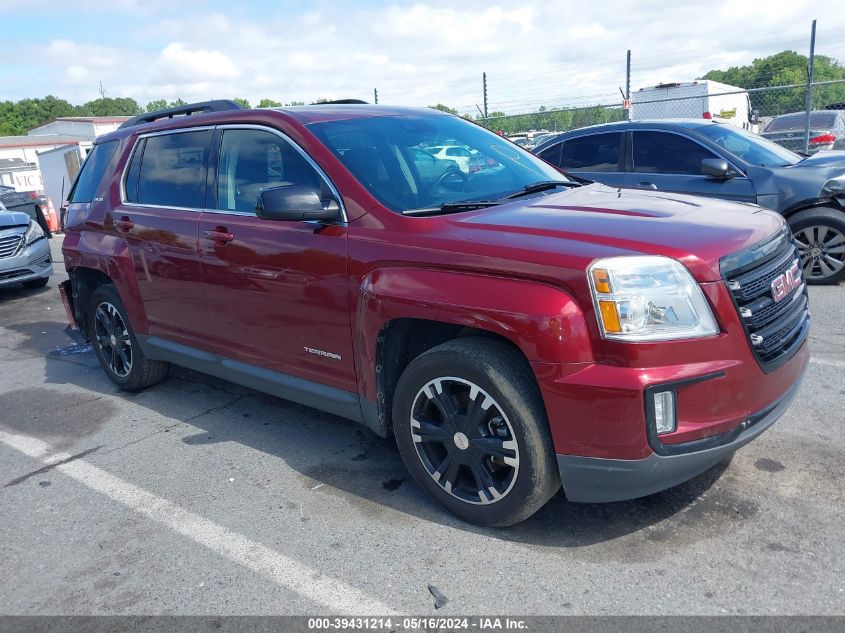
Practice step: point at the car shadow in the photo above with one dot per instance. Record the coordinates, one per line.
(340, 458)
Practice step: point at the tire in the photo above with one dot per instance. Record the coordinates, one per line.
(115, 344)
(520, 474)
(36, 283)
(820, 233)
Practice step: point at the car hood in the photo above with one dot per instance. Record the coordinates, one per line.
(572, 228)
(824, 158)
(9, 219)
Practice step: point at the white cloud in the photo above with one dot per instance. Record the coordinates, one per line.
(417, 54)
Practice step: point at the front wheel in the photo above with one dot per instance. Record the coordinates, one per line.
(470, 424)
(820, 234)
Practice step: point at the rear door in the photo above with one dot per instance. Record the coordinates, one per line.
(669, 161)
(593, 156)
(276, 291)
(164, 194)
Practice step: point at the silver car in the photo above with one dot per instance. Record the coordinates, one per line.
(24, 251)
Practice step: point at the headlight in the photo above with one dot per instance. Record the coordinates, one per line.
(33, 233)
(648, 299)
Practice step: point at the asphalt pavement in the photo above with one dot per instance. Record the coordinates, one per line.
(198, 496)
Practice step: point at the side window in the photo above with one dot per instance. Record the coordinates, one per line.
(254, 160)
(173, 168)
(131, 184)
(85, 187)
(552, 154)
(596, 152)
(664, 153)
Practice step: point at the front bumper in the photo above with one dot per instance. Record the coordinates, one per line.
(599, 480)
(31, 262)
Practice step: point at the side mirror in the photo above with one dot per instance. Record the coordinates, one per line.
(295, 203)
(716, 167)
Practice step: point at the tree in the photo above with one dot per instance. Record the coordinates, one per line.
(242, 102)
(107, 106)
(294, 103)
(157, 104)
(443, 108)
(269, 103)
(784, 69)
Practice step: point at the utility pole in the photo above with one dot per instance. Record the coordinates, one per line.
(484, 81)
(628, 85)
(102, 90)
(375, 95)
(808, 105)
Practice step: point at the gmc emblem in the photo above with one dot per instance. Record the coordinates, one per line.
(783, 284)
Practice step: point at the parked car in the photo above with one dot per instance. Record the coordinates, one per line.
(707, 158)
(827, 130)
(37, 207)
(510, 328)
(429, 167)
(24, 251)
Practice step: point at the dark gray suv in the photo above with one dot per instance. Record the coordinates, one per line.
(707, 158)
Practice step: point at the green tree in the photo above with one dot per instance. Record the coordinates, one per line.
(107, 106)
(242, 102)
(294, 103)
(443, 108)
(156, 104)
(269, 103)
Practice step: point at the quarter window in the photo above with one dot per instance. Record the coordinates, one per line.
(173, 170)
(663, 153)
(596, 152)
(254, 160)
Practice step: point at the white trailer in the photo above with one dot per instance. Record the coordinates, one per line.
(695, 100)
(59, 168)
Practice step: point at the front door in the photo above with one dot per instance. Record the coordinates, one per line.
(667, 161)
(276, 291)
(164, 192)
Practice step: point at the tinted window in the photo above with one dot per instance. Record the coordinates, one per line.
(552, 154)
(254, 160)
(796, 121)
(664, 153)
(131, 184)
(597, 152)
(173, 170)
(89, 179)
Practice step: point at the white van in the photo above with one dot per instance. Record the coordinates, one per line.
(693, 100)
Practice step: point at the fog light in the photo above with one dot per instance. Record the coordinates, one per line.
(664, 412)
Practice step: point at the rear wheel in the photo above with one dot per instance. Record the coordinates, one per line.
(472, 430)
(820, 234)
(116, 346)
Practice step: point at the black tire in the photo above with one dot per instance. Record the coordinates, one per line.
(140, 371)
(500, 372)
(36, 283)
(820, 233)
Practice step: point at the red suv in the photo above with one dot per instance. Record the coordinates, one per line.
(514, 329)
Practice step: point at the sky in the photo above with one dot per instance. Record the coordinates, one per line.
(552, 53)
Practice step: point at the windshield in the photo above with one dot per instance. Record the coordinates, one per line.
(797, 121)
(751, 148)
(383, 153)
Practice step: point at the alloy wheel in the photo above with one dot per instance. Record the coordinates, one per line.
(464, 440)
(113, 339)
(822, 251)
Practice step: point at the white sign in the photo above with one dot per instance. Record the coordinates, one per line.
(29, 180)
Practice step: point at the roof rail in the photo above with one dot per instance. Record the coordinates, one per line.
(219, 105)
(339, 101)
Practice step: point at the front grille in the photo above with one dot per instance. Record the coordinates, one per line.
(12, 274)
(9, 245)
(775, 329)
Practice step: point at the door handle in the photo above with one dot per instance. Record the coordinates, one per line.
(219, 235)
(124, 224)
(646, 185)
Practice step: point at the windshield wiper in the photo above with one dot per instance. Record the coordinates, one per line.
(453, 207)
(543, 185)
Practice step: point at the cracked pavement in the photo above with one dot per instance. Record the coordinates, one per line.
(198, 496)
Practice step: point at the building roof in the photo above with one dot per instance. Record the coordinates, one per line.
(40, 140)
(104, 120)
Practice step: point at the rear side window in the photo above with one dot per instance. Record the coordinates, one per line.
(597, 152)
(172, 171)
(89, 179)
(552, 154)
(663, 153)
